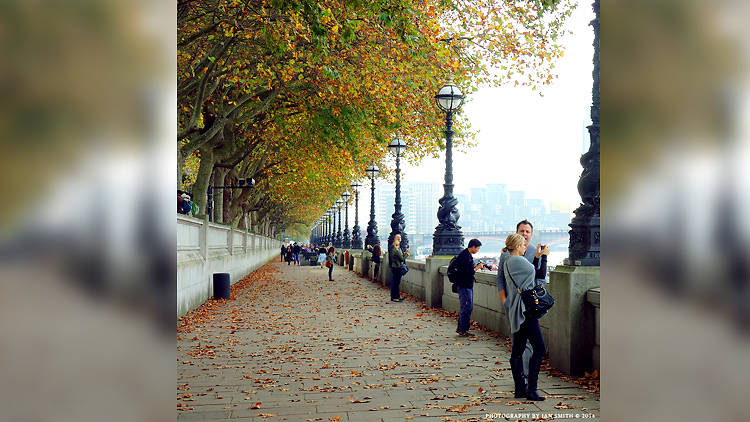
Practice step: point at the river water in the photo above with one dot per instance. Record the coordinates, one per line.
(554, 258)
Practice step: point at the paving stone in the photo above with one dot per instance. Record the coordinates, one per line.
(309, 349)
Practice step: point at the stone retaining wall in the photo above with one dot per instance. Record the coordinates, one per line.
(205, 248)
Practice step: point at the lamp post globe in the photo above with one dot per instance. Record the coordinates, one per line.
(372, 238)
(397, 148)
(372, 171)
(356, 236)
(448, 239)
(449, 98)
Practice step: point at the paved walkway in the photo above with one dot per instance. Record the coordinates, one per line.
(294, 346)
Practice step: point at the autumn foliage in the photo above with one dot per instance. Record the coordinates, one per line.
(303, 95)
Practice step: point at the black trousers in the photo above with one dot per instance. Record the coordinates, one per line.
(529, 331)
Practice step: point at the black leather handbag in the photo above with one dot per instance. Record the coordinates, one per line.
(538, 301)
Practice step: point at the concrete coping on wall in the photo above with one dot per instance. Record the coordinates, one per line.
(416, 264)
(486, 277)
(593, 296)
(481, 277)
(191, 220)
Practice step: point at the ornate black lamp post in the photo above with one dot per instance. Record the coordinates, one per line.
(324, 238)
(356, 236)
(585, 238)
(332, 237)
(324, 228)
(397, 147)
(372, 238)
(448, 239)
(331, 226)
(347, 240)
(337, 242)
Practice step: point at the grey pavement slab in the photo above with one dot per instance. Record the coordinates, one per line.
(296, 347)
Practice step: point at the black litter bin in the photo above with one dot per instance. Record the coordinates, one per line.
(221, 285)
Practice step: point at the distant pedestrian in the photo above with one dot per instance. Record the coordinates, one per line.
(289, 255)
(321, 256)
(283, 252)
(376, 252)
(296, 250)
(330, 258)
(397, 260)
(521, 276)
(465, 269)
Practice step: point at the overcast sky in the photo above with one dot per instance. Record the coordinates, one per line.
(528, 142)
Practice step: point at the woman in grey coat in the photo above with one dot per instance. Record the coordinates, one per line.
(520, 276)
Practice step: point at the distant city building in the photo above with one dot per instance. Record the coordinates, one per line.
(425, 197)
(492, 208)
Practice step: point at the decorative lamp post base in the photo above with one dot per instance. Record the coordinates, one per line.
(584, 247)
(372, 240)
(448, 242)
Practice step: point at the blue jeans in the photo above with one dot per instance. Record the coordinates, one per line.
(466, 302)
(395, 283)
(330, 271)
(296, 258)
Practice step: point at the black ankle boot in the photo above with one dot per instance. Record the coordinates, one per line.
(516, 368)
(531, 392)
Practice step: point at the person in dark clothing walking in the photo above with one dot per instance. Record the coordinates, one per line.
(465, 269)
(289, 255)
(283, 252)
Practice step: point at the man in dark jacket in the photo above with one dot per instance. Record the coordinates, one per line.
(466, 268)
(296, 250)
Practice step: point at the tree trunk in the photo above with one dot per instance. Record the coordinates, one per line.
(200, 188)
(219, 175)
(180, 164)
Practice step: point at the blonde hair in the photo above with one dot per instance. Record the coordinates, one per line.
(397, 236)
(514, 241)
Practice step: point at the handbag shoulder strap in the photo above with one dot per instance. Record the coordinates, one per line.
(511, 277)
